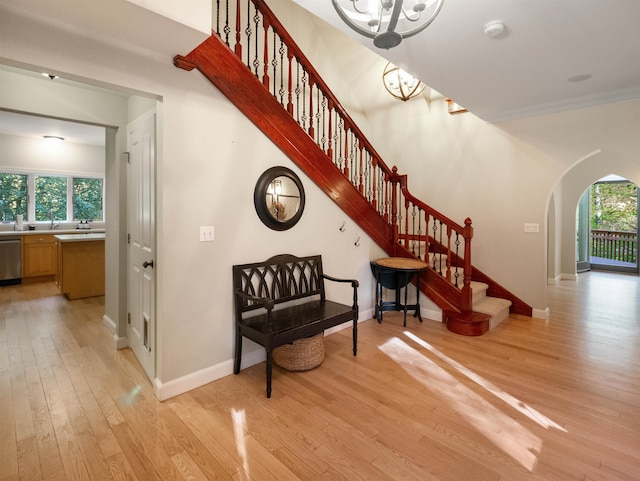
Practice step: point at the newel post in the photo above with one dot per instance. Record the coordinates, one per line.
(466, 287)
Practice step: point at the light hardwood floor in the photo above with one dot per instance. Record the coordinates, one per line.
(530, 400)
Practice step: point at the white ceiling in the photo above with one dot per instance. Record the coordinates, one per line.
(527, 70)
(111, 23)
(22, 125)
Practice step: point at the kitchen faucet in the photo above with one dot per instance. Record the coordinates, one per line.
(51, 214)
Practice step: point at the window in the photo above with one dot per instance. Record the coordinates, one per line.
(13, 196)
(87, 199)
(51, 198)
(46, 198)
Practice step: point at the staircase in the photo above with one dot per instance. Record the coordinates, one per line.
(254, 62)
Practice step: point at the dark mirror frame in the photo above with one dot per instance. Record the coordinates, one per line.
(260, 198)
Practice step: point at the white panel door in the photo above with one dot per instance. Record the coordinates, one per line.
(141, 232)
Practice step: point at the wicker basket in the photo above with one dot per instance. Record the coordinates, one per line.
(301, 355)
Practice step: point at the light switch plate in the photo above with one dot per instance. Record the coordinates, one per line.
(206, 233)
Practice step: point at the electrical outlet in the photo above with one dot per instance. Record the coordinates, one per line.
(531, 228)
(206, 233)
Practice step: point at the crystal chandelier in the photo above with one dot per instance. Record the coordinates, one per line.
(400, 84)
(387, 22)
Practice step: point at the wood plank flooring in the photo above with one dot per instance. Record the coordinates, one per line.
(530, 400)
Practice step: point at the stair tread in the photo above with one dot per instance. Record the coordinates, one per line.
(476, 286)
(491, 305)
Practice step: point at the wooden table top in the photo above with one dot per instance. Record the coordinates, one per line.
(405, 263)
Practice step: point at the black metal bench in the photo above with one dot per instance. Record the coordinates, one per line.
(288, 295)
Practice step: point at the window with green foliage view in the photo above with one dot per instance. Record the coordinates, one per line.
(13, 196)
(46, 198)
(614, 206)
(51, 198)
(87, 199)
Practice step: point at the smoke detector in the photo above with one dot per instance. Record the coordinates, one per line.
(494, 29)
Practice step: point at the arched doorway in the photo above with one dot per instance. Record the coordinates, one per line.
(607, 226)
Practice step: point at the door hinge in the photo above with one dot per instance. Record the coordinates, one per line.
(128, 318)
(128, 238)
(127, 157)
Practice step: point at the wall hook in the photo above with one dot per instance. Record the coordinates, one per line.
(357, 242)
(342, 227)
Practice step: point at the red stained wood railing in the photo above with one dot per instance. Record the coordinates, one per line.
(333, 152)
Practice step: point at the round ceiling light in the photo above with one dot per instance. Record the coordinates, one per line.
(401, 84)
(387, 22)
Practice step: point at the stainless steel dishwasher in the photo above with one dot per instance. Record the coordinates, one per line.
(10, 257)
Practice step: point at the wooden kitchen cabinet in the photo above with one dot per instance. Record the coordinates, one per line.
(81, 268)
(38, 255)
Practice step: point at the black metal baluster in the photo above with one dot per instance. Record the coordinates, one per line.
(304, 99)
(247, 32)
(227, 27)
(281, 51)
(317, 115)
(256, 60)
(297, 91)
(457, 273)
(323, 139)
(274, 62)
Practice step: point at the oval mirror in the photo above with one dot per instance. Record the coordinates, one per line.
(279, 198)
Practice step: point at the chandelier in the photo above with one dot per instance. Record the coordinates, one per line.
(400, 84)
(387, 22)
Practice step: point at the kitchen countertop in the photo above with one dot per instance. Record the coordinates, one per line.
(87, 236)
(48, 231)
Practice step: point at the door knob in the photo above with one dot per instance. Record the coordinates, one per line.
(146, 264)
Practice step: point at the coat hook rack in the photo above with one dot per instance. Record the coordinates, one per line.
(342, 227)
(357, 242)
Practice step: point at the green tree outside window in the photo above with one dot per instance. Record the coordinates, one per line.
(614, 206)
(13, 196)
(51, 198)
(87, 199)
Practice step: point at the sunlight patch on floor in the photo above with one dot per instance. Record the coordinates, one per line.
(239, 419)
(132, 396)
(515, 403)
(503, 431)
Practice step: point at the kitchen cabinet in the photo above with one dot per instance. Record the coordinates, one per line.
(38, 255)
(81, 267)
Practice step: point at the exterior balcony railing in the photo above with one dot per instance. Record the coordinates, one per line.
(620, 246)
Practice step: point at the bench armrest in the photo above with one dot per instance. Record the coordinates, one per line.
(266, 302)
(354, 284)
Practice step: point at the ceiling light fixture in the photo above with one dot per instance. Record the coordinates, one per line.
(52, 140)
(387, 22)
(400, 84)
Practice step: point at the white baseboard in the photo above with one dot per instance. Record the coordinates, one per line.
(541, 314)
(109, 324)
(569, 277)
(118, 342)
(431, 314)
(167, 390)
